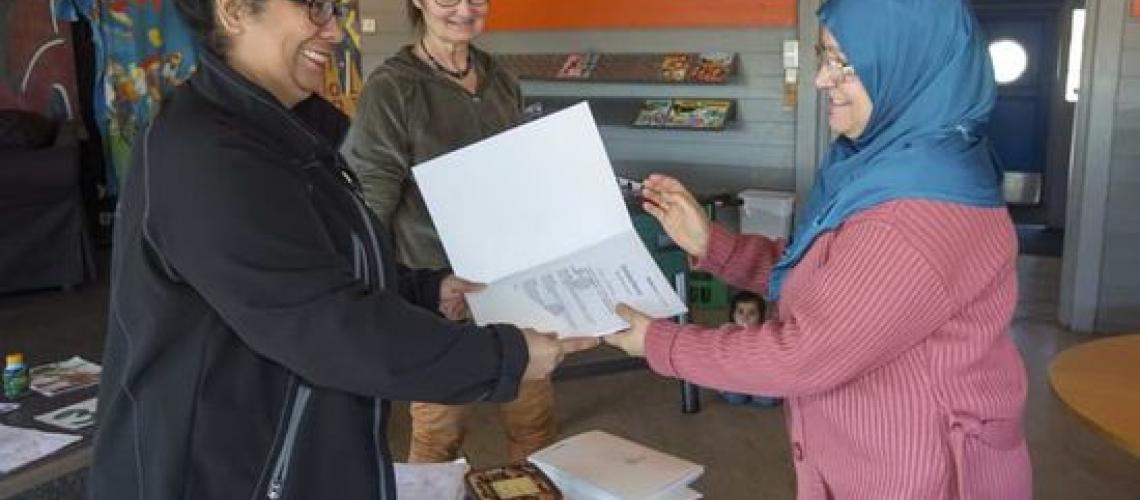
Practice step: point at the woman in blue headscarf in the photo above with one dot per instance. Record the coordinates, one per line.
(895, 294)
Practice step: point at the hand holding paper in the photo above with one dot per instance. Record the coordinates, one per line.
(631, 340)
(535, 212)
(547, 351)
(452, 297)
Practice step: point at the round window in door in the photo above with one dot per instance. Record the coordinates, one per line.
(1010, 61)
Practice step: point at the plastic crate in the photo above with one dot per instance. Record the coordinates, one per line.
(706, 291)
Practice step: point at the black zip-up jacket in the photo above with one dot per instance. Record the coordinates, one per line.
(257, 325)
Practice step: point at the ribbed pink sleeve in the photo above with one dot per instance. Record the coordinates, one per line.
(873, 298)
(743, 261)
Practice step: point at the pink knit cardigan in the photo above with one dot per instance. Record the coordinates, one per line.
(891, 347)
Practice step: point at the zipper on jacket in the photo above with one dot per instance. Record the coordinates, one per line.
(366, 216)
(360, 262)
(281, 466)
(378, 423)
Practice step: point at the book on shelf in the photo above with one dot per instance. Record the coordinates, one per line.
(597, 465)
(654, 113)
(675, 67)
(704, 114)
(713, 67)
(579, 65)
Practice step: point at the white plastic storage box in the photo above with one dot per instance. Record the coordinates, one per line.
(768, 213)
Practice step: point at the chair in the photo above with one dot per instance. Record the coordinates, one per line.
(43, 235)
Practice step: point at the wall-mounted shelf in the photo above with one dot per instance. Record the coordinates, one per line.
(707, 68)
(631, 112)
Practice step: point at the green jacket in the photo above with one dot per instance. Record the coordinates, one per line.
(410, 113)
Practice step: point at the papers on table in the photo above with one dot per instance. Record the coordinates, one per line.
(442, 481)
(599, 466)
(72, 418)
(19, 447)
(535, 213)
(57, 378)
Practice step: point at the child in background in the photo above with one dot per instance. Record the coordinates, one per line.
(747, 309)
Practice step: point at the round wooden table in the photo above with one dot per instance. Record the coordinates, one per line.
(1100, 381)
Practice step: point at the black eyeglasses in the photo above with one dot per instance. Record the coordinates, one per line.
(453, 3)
(322, 11)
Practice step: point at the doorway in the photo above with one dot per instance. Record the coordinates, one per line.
(1031, 125)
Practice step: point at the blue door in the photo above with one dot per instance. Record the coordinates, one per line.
(1019, 126)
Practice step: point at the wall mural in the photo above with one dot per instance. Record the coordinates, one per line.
(627, 14)
(37, 71)
(343, 79)
(143, 49)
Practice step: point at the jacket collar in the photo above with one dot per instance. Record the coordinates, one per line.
(262, 112)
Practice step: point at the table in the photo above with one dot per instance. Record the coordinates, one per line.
(70, 459)
(1100, 381)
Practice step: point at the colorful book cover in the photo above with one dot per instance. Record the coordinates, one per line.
(713, 67)
(578, 66)
(654, 113)
(675, 67)
(711, 114)
(699, 113)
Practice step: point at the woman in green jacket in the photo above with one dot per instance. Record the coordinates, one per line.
(434, 96)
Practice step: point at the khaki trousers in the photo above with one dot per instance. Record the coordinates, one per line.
(438, 430)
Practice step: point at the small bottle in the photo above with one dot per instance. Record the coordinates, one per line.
(15, 376)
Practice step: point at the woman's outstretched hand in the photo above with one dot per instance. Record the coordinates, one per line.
(546, 351)
(682, 217)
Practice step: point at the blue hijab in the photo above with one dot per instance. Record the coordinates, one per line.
(927, 69)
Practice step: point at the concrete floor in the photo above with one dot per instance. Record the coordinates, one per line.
(744, 449)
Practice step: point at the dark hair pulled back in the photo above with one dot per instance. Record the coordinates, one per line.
(201, 16)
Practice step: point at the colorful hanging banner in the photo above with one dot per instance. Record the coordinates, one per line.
(343, 79)
(633, 14)
(143, 50)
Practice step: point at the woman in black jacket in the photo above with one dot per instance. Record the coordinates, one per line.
(258, 326)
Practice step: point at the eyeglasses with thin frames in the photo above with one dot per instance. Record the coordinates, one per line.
(837, 71)
(452, 3)
(322, 11)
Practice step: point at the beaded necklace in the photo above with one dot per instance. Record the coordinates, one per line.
(458, 75)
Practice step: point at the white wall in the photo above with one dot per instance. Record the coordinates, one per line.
(1119, 307)
(1100, 278)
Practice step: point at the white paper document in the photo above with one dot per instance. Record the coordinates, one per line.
(600, 466)
(19, 447)
(535, 213)
(439, 481)
(72, 418)
(53, 379)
